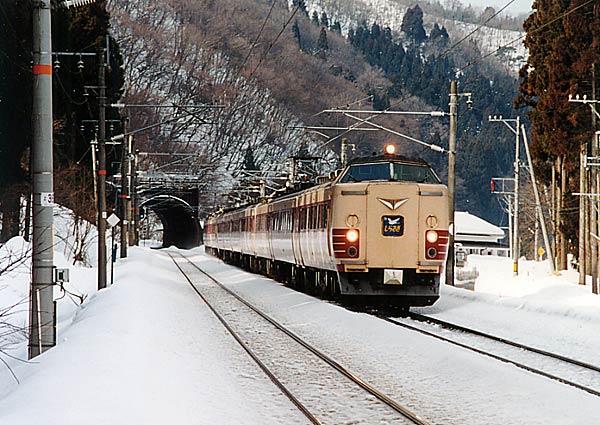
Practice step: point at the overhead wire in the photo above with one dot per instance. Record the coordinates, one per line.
(449, 49)
(259, 33)
(561, 16)
(264, 55)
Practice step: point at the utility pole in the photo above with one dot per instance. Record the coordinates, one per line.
(131, 190)
(343, 153)
(589, 225)
(136, 199)
(582, 212)
(42, 313)
(594, 186)
(451, 181)
(515, 229)
(101, 170)
(517, 245)
(538, 204)
(124, 189)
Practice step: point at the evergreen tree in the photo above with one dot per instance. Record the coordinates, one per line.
(302, 5)
(381, 102)
(249, 162)
(296, 32)
(322, 44)
(487, 14)
(324, 20)
(336, 27)
(438, 35)
(412, 24)
(559, 64)
(315, 18)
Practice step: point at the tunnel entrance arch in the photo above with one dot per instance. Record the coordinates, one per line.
(179, 219)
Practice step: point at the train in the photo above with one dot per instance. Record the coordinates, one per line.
(377, 229)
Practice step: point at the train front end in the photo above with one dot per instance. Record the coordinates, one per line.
(389, 234)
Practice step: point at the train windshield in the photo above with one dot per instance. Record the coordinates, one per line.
(414, 173)
(390, 171)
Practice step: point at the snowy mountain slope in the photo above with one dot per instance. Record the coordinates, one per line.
(390, 13)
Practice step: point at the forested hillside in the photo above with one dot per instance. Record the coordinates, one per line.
(274, 67)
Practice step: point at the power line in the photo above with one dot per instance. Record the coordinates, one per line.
(562, 15)
(264, 55)
(259, 33)
(449, 49)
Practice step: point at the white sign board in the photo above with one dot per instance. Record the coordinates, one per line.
(47, 199)
(113, 220)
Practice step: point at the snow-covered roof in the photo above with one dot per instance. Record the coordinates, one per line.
(470, 228)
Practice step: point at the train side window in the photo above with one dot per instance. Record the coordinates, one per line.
(303, 218)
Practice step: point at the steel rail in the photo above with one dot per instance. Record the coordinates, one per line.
(254, 357)
(494, 356)
(341, 369)
(448, 325)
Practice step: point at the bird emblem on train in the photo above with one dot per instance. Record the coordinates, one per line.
(394, 221)
(392, 204)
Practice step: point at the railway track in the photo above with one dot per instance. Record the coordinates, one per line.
(575, 373)
(321, 388)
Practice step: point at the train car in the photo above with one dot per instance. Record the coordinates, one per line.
(378, 229)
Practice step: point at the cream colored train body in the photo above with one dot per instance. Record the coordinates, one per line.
(379, 229)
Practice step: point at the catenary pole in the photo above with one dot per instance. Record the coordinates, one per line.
(101, 170)
(124, 190)
(538, 204)
(517, 245)
(582, 209)
(515, 228)
(451, 181)
(42, 319)
(131, 188)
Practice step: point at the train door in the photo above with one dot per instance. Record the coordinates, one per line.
(299, 215)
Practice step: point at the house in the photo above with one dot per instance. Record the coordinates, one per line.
(474, 235)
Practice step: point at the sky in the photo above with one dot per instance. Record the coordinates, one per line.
(516, 8)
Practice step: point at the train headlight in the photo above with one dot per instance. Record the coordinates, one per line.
(352, 235)
(431, 236)
(390, 149)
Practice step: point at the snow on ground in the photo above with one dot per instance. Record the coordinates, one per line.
(547, 311)
(146, 350)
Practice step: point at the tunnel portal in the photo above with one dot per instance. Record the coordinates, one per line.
(181, 227)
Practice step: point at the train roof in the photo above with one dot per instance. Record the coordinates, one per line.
(294, 191)
(387, 158)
